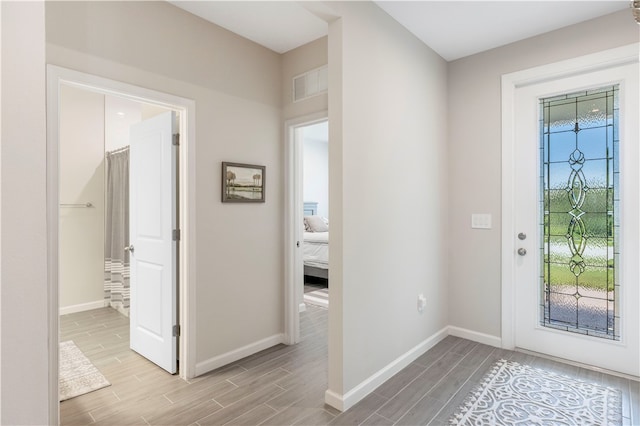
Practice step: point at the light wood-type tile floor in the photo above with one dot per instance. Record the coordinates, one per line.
(284, 385)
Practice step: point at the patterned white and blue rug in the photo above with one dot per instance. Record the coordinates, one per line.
(515, 394)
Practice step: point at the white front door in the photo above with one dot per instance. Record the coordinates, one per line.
(152, 220)
(576, 190)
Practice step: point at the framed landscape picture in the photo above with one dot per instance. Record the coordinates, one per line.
(242, 183)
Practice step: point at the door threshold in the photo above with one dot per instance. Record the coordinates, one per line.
(579, 364)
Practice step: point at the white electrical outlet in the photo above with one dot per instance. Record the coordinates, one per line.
(422, 302)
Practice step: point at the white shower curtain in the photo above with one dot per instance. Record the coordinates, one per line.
(116, 262)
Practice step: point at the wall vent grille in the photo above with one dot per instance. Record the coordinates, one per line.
(311, 83)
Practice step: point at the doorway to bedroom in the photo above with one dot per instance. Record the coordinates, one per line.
(314, 143)
(306, 219)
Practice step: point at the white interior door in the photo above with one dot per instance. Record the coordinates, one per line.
(564, 249)
(152, 220)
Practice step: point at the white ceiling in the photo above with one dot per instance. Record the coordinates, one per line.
(453, 29)
(456, 29)
(277, 25)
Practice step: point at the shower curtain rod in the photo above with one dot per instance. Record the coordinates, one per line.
(116, 151)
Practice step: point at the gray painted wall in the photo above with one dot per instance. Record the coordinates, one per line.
(24, 390)
(82, 180)
(315, 160)
(295, 62)
(387, 180)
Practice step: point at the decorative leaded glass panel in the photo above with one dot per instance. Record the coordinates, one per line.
(579, 174)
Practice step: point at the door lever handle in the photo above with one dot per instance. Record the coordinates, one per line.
(130, 249)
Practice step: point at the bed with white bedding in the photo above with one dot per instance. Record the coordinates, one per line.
(315, 247)
(316, 254)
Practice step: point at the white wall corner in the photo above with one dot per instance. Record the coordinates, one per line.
(302, 307)
(475, 336)
(359, 392)
(236, 354)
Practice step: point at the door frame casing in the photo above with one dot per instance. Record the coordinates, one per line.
(293, 221)
(510, 83)
(58, 76)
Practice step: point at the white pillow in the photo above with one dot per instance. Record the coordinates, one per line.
(315, 224)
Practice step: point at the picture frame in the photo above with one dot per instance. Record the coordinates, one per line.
(243, 183)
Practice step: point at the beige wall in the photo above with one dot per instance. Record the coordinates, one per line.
(24, 391)
(119, 115)
(236, 86)
(169, 42)
(315, 165)
(387, 164)
(295, 62)
(474, 184)
(0, 213)
(81, 260)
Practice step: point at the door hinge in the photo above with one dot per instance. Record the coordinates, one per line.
(176, 235)
(176, 139)
(176, 331)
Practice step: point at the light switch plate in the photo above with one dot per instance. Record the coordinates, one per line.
(481, 221)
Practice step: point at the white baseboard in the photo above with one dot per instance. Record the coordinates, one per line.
(475, 336)
(335, 400)
(359, 392)
(229, 357)
(83, 307)
(302, 307)
(355, 395)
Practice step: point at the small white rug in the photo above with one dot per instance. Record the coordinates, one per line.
(77, 374)
(317, 298)
(519, 394)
